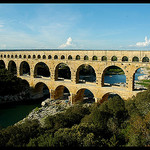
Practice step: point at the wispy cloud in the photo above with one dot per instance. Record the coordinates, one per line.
(68, 44)
(142, 44)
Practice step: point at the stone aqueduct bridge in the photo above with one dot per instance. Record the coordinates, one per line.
(74, 59)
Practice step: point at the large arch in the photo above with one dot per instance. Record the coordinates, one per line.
(24, 69)
(84, 95)
(135, 86)
(108, 95)
(2, 64)
(40, 90)
(62, 71)
(111, 76)
(41, 70)
(85, 73)
(12, 67)
(62, 93)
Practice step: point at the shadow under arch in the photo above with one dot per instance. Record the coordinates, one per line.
(26, 83)
(113, 76)
(41, 70)
(84, 95)
(109, 95)
(2, 64)
(40, 90)
(62, 93)
(62, 71)
(24, 68)
(85, 73)
(12, 67)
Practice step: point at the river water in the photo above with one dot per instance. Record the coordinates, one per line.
(10, 114)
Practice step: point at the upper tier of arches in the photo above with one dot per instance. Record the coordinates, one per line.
(113, 58)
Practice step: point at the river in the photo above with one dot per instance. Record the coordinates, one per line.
(12, 113)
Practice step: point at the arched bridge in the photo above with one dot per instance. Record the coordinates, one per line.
(99, 60)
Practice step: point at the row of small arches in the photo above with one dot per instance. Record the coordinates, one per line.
(104, 58)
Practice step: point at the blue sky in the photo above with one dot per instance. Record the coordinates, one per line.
(75, 26)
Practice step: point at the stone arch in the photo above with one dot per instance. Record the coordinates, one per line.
(86, 57)
(114, 58)
(12, 56)
(94, 58)
(44, 57)
(29, 56)
(62, 57)
(84, 95)
(49, 57)
(62, 71)
(33, 56)
(40, 90)
(77, 57)
(20, 56)
(136, 74)
(62, 92)
(12, 67)
(2, 64)
(104, 58)
(85, 70)
(24, 68)
(55, 57)
(108, 95)
(24, 56)
(124, 58)
(39, 56)
(41, 70)
(4, 56)
(8, 56)
(110, 69)
(145, 59)
(69, 57)
(135, 59)
(16, 56)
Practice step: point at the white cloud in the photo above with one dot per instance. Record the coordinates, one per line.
(142, 44)
(68, 44)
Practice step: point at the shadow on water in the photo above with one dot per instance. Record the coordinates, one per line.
(11, 113)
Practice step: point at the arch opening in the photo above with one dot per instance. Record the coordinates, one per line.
(62, 72)
(145, 59)
(124, 58)
(94, 58)
(85, 96)
(135, 59)
(114, 58)
(24, 69)
(2, 64)
(140, 79)
(113, 76)
(40, 91)
(85, 73)
(108, 96)
(77, 57)
(104, 58)
(12, 67)
(61, 93)
(41, 70)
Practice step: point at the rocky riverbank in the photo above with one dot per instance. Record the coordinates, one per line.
(48, 107)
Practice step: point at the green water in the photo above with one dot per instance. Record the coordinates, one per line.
(13, 113)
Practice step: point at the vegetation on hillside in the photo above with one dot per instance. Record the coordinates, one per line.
(113, 123)
(10, 84)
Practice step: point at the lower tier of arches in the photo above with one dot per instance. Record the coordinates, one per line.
(76, 93)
